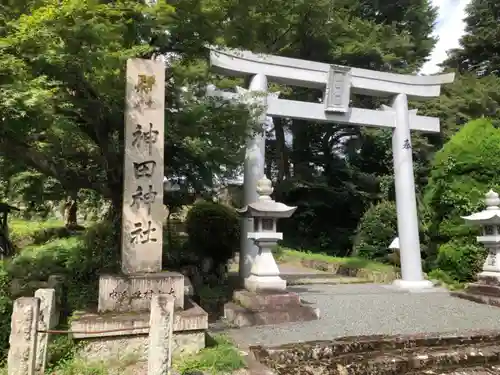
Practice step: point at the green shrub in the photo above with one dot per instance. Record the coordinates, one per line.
(28, 232)
(376, 230)
(460, 260)
(462, 173)
(5, 310)
(213, 231)
(80, 259)
(99, 253)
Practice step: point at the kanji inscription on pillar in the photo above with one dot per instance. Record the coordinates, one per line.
(143, 167)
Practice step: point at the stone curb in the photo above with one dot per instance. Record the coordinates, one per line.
(338, 269)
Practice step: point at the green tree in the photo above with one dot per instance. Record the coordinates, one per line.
(62, 91)
(469, 97)
(462, 172)
(479, 52)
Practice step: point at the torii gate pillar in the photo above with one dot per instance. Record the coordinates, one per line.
(253, 172)
(406, 200)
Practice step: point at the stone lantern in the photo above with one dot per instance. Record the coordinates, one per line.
(487, 288)
(265, 299)
(489, 220)
(265, 274)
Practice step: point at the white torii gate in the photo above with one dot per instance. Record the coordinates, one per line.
(338, 82)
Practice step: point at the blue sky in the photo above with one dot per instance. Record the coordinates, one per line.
(449, 29)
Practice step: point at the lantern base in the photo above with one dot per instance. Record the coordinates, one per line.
(255, 283)
(267, 307)
(489, 277)
(486, 290)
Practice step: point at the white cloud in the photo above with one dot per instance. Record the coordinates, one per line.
(449, 29)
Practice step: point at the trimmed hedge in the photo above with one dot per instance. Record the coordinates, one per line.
(376, 230)
(462, 173)
(213, 230)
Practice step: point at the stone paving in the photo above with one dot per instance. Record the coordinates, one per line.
(368, 309)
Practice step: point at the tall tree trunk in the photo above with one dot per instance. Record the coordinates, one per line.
(71, 212)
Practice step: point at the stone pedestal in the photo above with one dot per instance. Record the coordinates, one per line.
(121, 322)
(267, 307)
(121, 333)
(126, 293)
(265, 274)
(486, 290)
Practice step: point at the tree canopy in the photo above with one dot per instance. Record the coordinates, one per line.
(62, 92)
(62, 88)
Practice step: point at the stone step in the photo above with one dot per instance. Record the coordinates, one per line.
(488, 280)
(479, 298)
(476, 370)
(402, 361)
(375, 343)
(483, 289)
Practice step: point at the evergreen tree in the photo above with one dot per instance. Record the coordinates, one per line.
(480, 51)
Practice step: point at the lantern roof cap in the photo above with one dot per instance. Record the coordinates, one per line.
(492, 212)
(265, 206)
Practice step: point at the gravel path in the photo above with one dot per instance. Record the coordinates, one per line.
(368, 309)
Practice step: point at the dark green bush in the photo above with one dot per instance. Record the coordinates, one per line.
(462, 173)
(376, 230)
(80, 259)
(460, 260)
(98, 254)
(5, 310)
(213, 231)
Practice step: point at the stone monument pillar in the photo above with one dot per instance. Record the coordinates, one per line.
(265, 299)
(143, 212)
(125, 299)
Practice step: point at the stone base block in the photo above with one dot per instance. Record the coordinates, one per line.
(127, 293)
(136, 347)
(258, 284)
(483, 289)
(263, 300)
(488, 278)
(125, 335)
(251, 308)
(91, 324)
(486, 290)
(487, 300)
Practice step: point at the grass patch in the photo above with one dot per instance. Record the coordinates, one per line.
(220, 358)
(27, 232)
(26, 228)
(79, 367)
(446, 280)
(286, 255)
